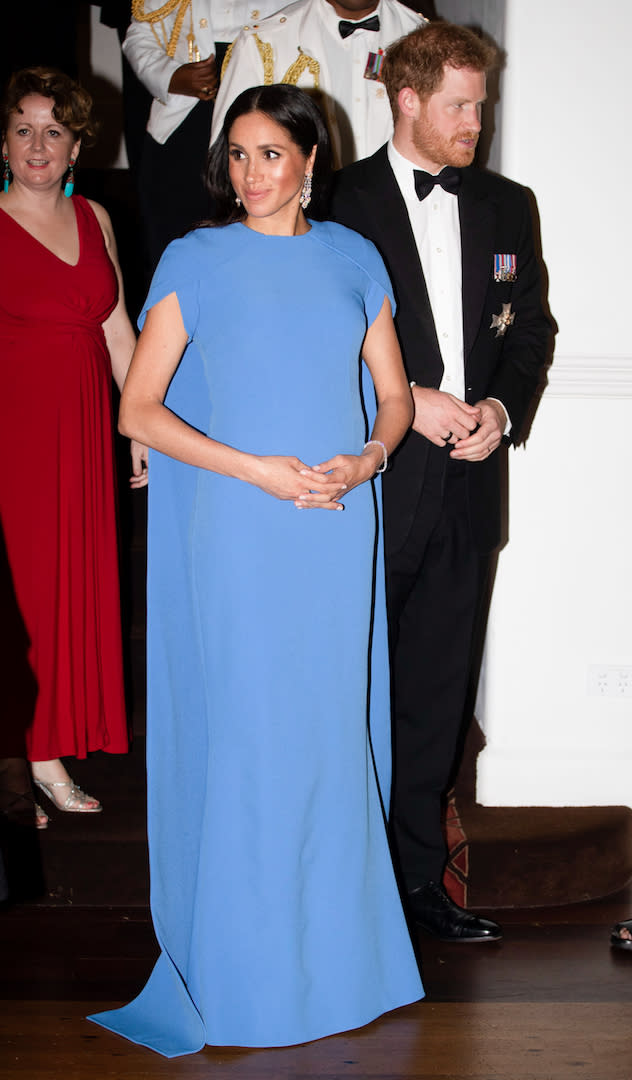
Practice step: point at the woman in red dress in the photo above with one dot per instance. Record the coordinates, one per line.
(64, 332)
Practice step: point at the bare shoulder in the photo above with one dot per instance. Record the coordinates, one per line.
(103, 218)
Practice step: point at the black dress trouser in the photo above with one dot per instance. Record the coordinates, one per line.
(434, 583)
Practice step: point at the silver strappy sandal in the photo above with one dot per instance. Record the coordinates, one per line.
(77, 800)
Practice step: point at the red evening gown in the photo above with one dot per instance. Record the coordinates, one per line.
(57, 486)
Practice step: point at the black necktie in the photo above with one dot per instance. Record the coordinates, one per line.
(449, 179)
(346, 28)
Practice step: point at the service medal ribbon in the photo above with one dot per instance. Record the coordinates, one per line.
(505, 267)
(374, 65)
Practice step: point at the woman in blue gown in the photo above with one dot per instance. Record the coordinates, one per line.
(272, 888)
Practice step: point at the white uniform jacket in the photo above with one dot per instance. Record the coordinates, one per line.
(230, 16)
(301, 44)
(154, 67)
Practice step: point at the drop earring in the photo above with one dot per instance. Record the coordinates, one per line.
(69, 186)
(6, 176)
(306, 193)
(237, 200)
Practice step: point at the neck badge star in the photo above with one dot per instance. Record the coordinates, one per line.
(503, 320)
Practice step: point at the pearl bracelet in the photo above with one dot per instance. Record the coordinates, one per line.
(376, 442)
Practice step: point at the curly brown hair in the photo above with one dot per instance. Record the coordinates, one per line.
(72, 104)
(418, 59)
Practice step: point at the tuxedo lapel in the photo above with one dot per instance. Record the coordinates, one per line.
(477, 216)
(393, 235)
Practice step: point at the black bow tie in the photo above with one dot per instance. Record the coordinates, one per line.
(346, 28)
(449, 179)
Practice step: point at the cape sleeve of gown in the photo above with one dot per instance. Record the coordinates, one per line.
(365, 254)
(176, 272)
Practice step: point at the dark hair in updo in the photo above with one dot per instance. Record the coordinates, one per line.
(297, 113)
(72, 105)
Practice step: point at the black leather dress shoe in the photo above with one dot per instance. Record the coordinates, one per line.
(617, 940)
(433, 910)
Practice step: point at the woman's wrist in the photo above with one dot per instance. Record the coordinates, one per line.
(250, 468)
(376, 450)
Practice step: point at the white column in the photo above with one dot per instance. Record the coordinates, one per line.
(101, 73)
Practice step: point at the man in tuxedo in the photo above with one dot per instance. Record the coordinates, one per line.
(458, 244)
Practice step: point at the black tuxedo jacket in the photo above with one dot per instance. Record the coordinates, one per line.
(495, 219)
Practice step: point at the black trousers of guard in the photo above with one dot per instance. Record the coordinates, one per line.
(171, 191)
(171, 187)
(434, 584)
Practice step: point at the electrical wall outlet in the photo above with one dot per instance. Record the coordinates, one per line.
(610, 680)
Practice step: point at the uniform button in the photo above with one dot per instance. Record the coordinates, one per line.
(445, 335)
(254, 14)
(439, 250)
(203, 23)
(283, 19)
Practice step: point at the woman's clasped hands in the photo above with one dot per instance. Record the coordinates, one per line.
(317, 487)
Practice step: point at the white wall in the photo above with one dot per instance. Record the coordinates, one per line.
(489, 15)
(561, 605)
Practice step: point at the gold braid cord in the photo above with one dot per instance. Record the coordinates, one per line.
(302, 63)
(267, 59)
(139, 13)
(229, 53)
(293, 73)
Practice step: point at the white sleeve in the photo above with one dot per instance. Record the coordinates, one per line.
(244, 69)
(150, 63)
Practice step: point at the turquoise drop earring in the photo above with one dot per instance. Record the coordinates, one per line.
(69, 186)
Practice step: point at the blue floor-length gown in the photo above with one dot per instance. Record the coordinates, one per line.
(272, 888)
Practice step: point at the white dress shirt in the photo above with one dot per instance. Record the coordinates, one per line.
(358, 113)
(437, 231)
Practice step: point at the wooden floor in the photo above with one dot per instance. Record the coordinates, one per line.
(551, 1002)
